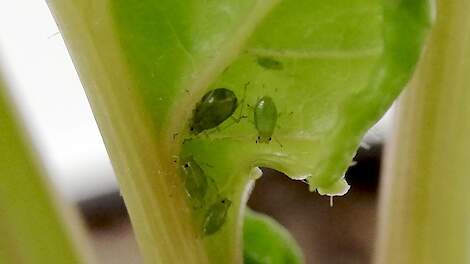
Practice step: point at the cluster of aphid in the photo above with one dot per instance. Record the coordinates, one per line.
(198, 184)
(215, 107)
(219, 104)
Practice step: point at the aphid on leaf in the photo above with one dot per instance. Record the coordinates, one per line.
(216, 216)
(265, 116)
(214, 108)
(269, 63)
(195, 181)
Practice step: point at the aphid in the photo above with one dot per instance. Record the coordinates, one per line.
(269, 63)
(214, 108)
(195, 181)
(216, 216)
(265, 116)
(241, 115)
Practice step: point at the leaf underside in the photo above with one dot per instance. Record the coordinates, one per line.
(332, 68)
(335, 57)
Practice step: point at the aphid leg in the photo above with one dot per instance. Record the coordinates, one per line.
(206, 133)
(215, 185)
(241, 116)
(278, 142)
(206, 164)
(242, 105)
(244, 97)
(331, 200)
(252, 107)
(279, 115)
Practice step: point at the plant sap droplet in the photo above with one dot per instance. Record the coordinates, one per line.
(216, 216)
(265, 116)
(214, 108)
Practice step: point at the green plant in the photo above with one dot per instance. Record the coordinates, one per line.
(331, 67)
(265, 241)
(425, 207)
(31, 215)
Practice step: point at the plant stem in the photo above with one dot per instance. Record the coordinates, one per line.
(425, 205)
(32, 217)
(150, 182)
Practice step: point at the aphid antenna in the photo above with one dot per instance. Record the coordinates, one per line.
(206, 164)
(252, 108)
(241, 116)
(242, 103)
(188, 139)
(198, 206)
(278, 142)
(281, 114)
(206, 133)
(214, 182)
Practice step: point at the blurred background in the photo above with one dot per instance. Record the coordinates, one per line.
(54, 107)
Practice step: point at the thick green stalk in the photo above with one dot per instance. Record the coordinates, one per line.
(425, 206)
(149, 180)
(32, 227)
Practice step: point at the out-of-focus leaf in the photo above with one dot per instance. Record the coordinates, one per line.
(267, 242)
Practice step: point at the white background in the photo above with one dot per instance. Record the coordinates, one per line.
(52, 101)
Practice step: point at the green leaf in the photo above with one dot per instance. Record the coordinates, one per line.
(332, 68)
(35, 226)
(267, 242)
(335, 67)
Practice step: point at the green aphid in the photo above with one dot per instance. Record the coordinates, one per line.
(269, 63)
(216, 216)
(265, 116)
(195, 181)
(214, 108)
